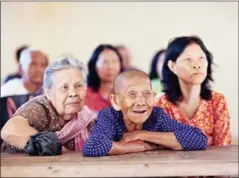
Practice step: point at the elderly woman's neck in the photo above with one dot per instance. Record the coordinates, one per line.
(65, 118)
(190, 93)
(131, 127)
(30, 86)
(106, 88)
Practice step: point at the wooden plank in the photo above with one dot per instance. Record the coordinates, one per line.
(213, 161)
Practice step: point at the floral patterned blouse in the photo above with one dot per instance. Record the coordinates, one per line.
(212, 117)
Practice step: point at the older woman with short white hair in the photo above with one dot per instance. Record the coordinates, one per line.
(59, 115)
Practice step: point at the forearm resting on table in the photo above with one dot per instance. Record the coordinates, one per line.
(166, 139)
(132, 147)
(17, 132)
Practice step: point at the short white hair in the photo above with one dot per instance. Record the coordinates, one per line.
(63, 62)
(26, 57)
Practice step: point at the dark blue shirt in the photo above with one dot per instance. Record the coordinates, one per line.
(110, 127)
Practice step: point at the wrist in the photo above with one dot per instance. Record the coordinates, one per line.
(143, 135)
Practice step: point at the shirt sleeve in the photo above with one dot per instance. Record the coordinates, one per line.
(222, 133)
(190, 138)
(100, 141)
(35, 113)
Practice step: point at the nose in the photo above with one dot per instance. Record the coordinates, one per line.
(73, 93)
(196, 65)
(140, 100)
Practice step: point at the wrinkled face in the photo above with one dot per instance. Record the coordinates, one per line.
(136, 100)
(67, 94)
(160, 65)
(108, 66)
(35, 70)
(191, 65)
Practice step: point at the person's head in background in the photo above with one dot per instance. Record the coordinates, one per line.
(126, 56)
(133, 95)
(17, 73)
(157, 64)
(188, 65)
(103, 67)
(33, 63)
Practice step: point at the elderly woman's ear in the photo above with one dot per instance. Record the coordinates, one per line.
(47, 93)
(115, 102)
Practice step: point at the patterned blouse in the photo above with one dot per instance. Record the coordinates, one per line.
(43, 117)
(95, 101)
(110, 127)
(212, 117)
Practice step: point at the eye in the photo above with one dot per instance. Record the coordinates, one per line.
(64, 88)
(132, 94)
(201, 57)
(187, 59)
(148, 94)
(79, 86)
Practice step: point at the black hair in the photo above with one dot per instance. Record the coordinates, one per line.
(170, 81)
(93, 79)
(19, 51)
(153, 71)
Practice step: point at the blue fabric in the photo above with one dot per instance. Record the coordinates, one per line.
(110, 127)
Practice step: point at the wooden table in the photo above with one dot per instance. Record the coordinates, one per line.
(213, 161)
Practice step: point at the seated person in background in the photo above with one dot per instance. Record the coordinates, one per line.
(17, 74)
(132, 124)
(155, 74)
(188, 98)
(104, 65)
(61, 105)
(126, 57)
(33, 64)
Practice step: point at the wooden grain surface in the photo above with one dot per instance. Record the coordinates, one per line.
(213, 161)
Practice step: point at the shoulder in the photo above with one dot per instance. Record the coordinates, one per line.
(217, 96)
(157, 111)
(15, 81)
(11, 76)
(109, 114)
(39, 105)
(91, 95)
(13, 87)
(163, 101)
(218, 99)
(90, 91)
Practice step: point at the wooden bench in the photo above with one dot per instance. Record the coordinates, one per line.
(213, 161)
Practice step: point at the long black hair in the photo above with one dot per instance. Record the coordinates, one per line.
(153, 71)
(93, 79)
(170, 81)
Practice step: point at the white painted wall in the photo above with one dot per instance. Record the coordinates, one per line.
(77, 27)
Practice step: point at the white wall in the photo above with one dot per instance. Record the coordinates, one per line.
(77, 27)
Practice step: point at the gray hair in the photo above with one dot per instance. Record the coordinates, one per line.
(64, 62)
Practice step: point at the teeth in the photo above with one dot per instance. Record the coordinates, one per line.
(139, 112)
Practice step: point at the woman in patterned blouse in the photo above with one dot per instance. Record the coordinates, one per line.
(187, 72)
(61, 109)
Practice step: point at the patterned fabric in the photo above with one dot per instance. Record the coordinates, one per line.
(95, 101)
(110, 127)
(43, 117)
(212, 117)
(78, 128)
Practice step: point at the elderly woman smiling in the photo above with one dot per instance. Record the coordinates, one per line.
(59, 111)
